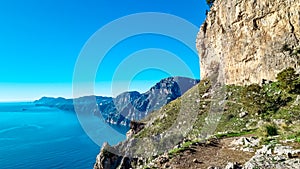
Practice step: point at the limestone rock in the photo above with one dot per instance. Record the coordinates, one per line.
(246, 144)
(248, 41)
(106, 159)
(231, 165)
(284, 157)
(243, 114)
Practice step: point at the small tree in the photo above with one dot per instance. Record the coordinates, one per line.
(271, 130)
(288, 80)
(210, 2)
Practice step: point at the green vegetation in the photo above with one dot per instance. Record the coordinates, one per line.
(271, 130)
(295, 136)
(235, 134)
(184, 146)
(267, 110)
(286, 48)
(292, 51)
(179, 149)
(289, 80)
(210, 2)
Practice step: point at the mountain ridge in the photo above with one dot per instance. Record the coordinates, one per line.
(127, 106)
(249, 58)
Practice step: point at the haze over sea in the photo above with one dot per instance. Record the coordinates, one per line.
(43, 137)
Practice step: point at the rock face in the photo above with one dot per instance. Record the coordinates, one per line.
(108, 160)
(130, 106)
(127, 106)
(135, 127)
(282, 157)
(249, 40)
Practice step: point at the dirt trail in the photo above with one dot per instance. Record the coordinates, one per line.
(202, 156)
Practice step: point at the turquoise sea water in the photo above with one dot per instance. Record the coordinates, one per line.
(42, 137)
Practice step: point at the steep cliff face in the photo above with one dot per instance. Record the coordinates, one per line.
(135, 106)
(249, 40)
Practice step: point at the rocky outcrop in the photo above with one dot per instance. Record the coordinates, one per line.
(108, 160)
(278, 156)
(135, 127)
(127, 106)
(130, 106)
(246, 41)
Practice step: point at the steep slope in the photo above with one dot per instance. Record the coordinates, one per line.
(267, 116)
(250, 40)
(130, 106)
(241, 42)
(127, 106)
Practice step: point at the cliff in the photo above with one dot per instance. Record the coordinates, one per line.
(135, 106)
(249, 40)
(127, 106)
(259, 128)
(241, 42)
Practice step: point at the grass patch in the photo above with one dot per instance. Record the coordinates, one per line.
(184, 146)
(295, 136)
(176, 151)
(235, 134)
(263, 104)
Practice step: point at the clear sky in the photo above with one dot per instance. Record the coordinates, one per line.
(40, 41)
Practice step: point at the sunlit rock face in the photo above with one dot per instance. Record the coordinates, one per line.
(247, 41)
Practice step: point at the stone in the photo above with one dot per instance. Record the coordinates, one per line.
(282, 150)
(282, 158)
(243, 114)
(196, 161)
(212, 167)
(205, 95)
(297, 101)
(245, 143)
(129, 133)
(266, 149)
(243, 41)
(232, 165)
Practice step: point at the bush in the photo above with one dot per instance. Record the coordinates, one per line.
(286, 48)
(251, 97)
(210, 2)
(289, 80)
(271, 130)
(266, 130)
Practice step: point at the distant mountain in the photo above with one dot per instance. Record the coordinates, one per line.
(83, 103)
(134, 106)
(127, 106)
(61, 103)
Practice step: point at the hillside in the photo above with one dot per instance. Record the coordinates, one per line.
(127, 106)
(265, 116)
(245, 112)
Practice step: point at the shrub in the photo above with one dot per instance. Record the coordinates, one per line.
(266, 130)
(286, 48)
(271, 130)
(210, 2)
(229, 117)
(288, 80)
(255, 88)
(253, 98)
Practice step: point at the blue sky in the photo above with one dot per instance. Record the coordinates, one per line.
(40, 41)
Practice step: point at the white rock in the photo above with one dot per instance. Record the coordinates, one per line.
(266, 149)
(282, 150)
(243, 114)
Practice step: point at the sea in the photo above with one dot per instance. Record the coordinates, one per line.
(33, 137)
